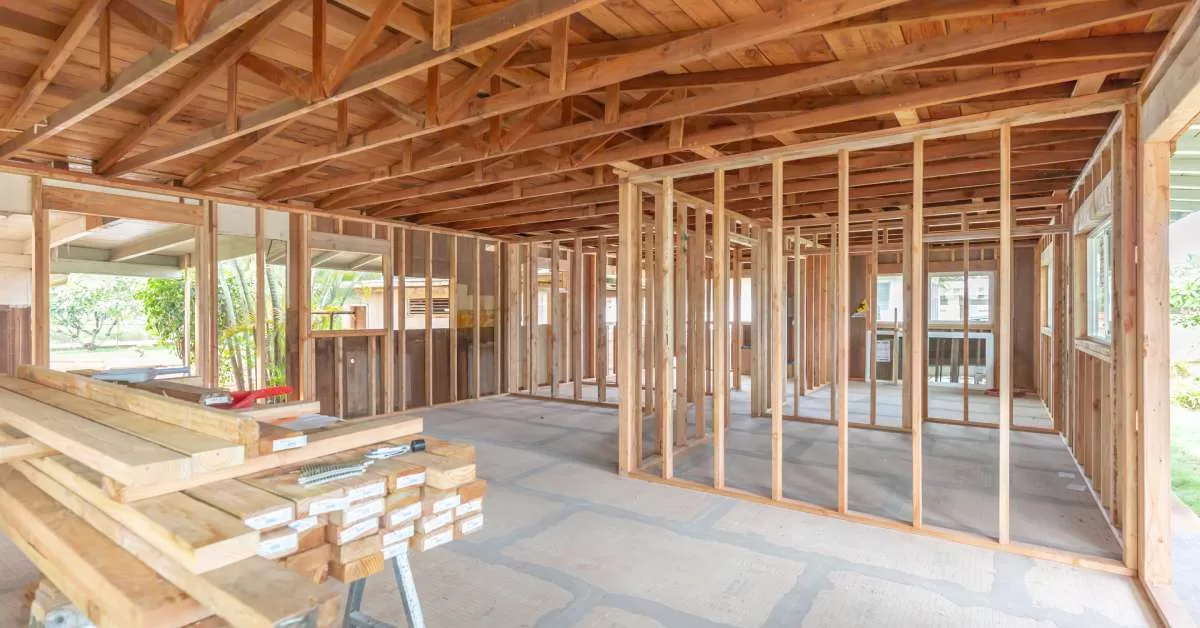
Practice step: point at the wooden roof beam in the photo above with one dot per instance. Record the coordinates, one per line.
(361, 45)
(229, 55)
(1012, 31)
(226, 18)
(54, 59)
(767, 26)
(190, 15)
(881, 105)
(233, 151)
(517, 17)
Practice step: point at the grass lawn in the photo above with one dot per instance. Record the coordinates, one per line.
(1185, 455)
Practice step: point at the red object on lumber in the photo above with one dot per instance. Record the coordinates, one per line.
(246, 398)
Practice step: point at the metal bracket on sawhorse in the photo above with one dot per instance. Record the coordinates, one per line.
(401, 568)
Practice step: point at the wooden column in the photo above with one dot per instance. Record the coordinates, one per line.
(872, 319)
(260, 297)
(388, 363)
(915, 337)
(774, 369)
(513, 355)
(629, 406)
(1004, 339)
(664, 332)
(429, 318)
(400, 266)
(577, 319)
(206, 291)
(299, 306)
(553, 328)
(842, 331)
(720, 338)
(798, 323)
(735, 349)
(529, 357)
(1125, 348)
(601, 334)
(696, 318)
(678, 290)
(41, 275)
(1154, 328)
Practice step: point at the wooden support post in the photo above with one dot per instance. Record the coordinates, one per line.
(1004, 340)
(401, 269)
(774, 370)
(757, 325)
(529, 356)
(1154, 328)
(577, 318)
(600, 355)
(842, 331)
(872, 319)
(629, 406)
(206, 292)
(664, 332)
(260, 297)
(429, 318)
(966, 314)
(514, 356)
(696, 319)
(915, 343)
(1125, 342)
(388, 347)
(679, 319)
(41, 275)
(442, 16)
(735, 349)
(720, 338)
(502, 315)
(453, 318)
(798, 322)
(189, 329)
(552, 328)
(476, 373)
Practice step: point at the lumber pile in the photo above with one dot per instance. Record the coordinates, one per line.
(146, 510)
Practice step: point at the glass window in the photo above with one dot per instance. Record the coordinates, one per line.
(889, 298)
(1099, 284)
(946, 297)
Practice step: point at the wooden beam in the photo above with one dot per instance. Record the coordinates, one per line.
(317, 76)
(1004, 338)
(775, 291)
(40, 297)
(54, 59)
(190, 15)
(442, 21)
(361, 45)
(228, 17)
(628, 302)
(230, 153)
(153, 244)
(914, 258)
(841, 410)
(560, 34)
(664, 320)
(1171, 97)
(720, 333)
(458, 98)
(1125, 327)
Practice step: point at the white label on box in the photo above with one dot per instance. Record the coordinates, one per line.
(279, 546)
(330, 504)
(399, 534)
(426, 524)
(291, 442)
(305, 524)
(407, 513)
(392, 551)
(446, 503)
(372, 508)
(270, 519)
(471, 507)
(434, 540)
(358, 530)
(378, 489)
(467, 526)
(412, 479)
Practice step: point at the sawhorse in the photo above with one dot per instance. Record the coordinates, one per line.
(401, 568)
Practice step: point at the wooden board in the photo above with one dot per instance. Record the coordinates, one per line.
(320, 443)
(254, 592)
(442, 472)
(93, 571)
(185, 392)
(206, 452)
(125, 458)
(357, 549)
(193, 534)
(357, 570)
(313, 564)
(258, 509)
(287, 410)
(227, 426)
(275, 438)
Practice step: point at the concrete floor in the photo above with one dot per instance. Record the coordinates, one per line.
(569, 543)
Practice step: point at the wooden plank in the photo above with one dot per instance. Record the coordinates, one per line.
(96, 573)
(1125, 349)
(628, 304)
(282, 410)
(205, 452)
(21, 449)
(252, 592)
(697, 286)
(915, 303)
(559, 33)
(1004, 339)
(600, 352)
(191, 393)
(577, 319)
(227, 426)
(678, 292)
(664, 321)
(388, 344)
(41, 274)
(776, 368)
(260, 296)
(842, 331)
(256, 508)
(94, 203)
(1174, 98)
(442, 472)
(324, 442)
(1154, 328)
(123, 457)
(720, 333)
(553, 329)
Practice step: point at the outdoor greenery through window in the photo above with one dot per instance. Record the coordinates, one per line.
(1099, 283)
(946, 293)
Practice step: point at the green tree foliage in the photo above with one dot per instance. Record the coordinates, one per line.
(163, 303)
(89, 308)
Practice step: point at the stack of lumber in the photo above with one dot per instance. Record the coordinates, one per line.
(146, 510)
